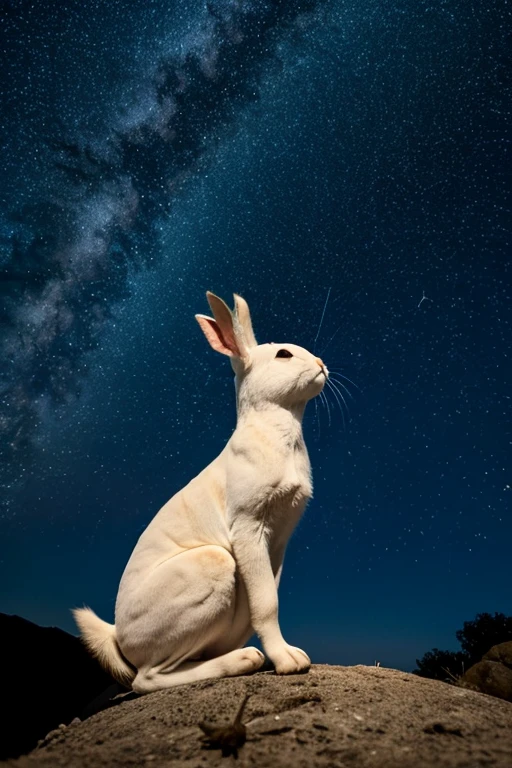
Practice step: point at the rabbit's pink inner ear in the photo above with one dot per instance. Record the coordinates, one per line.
(224, 343)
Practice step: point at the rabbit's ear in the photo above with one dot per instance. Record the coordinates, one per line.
(220, 331)
(244, 321)
(216, 338)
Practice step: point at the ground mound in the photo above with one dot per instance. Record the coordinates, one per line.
(333, 716)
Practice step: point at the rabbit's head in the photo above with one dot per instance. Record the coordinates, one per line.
(284, 374)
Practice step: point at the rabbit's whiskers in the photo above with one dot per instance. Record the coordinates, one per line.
(337, 396)
(333, 377)
(324, 400)
(335, 384)
(317, 416)
(337, 372)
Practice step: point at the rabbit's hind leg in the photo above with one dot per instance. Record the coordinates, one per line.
(242, 661)
(178, 611)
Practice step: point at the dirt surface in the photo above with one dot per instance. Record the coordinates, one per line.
(333, 716)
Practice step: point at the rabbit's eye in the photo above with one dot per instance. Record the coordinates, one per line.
(284, 353)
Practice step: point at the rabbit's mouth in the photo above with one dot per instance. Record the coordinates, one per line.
(318, 382)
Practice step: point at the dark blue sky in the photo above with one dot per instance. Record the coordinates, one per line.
(153, 150)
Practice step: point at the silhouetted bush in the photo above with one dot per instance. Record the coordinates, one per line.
(476, 638)
(442, 665)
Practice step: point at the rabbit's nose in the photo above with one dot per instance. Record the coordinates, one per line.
(319, 361)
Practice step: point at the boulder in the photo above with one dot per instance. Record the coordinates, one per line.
(489, 677)
(501, 652)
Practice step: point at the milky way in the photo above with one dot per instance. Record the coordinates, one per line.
(72, 250)
(356, 149)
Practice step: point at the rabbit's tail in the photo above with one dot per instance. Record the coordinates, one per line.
(100, 639)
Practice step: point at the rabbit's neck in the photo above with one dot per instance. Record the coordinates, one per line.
(284, 423)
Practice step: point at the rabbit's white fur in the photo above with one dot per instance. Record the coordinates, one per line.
(203, 576)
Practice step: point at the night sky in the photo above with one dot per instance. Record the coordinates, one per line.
(291, 152)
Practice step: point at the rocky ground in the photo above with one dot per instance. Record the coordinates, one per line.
(366, 717)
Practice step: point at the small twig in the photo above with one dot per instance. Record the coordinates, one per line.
(228, 738)
(454, 677)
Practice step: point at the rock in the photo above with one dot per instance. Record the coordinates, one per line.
(359, 717)
(501, 652)
(489, 677)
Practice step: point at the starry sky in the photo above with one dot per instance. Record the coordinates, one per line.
(336, 162)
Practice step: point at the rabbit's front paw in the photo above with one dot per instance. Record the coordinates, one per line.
(289, 660)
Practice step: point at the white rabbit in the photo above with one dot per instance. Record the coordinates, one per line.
(203, 576)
